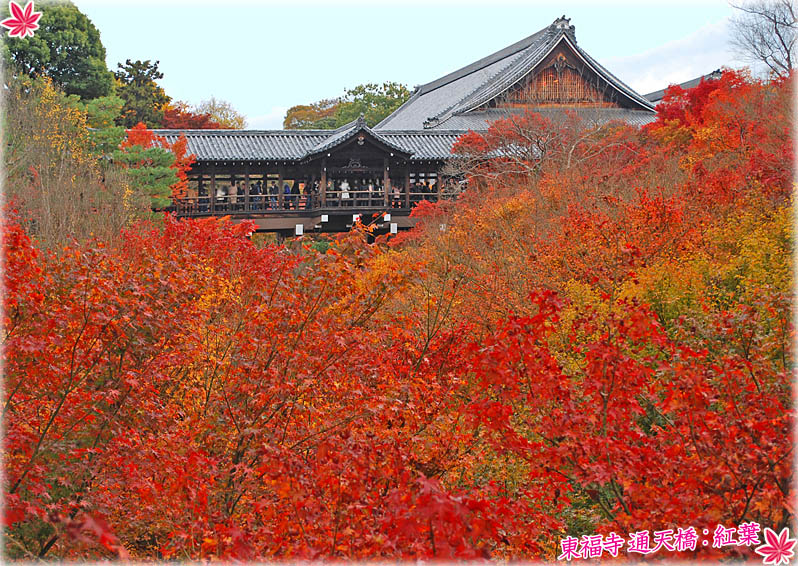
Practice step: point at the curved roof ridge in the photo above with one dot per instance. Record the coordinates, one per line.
(339, 134)
(345, 133)
(618, 83)
(517, 70)
(346, 126)
(452, 108)
(482, 63)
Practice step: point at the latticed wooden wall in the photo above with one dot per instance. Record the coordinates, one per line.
(553, 86)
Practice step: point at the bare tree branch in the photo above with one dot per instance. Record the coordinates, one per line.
(764, 33)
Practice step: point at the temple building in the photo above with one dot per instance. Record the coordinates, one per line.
(656, 96)
(297, 181)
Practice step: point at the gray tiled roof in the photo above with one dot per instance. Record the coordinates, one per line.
(425, 144)
(346, 132)
(336, 136)
(257, 145)
(439, 104)
(480, 121)
(427, 104)
(657, 95)
(297, 145)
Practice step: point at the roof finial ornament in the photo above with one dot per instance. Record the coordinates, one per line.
(361, 120)
(564, 24)
(431, 122)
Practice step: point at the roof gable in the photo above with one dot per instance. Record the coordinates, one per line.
(466, 89)
(349, 131)
(535, 61)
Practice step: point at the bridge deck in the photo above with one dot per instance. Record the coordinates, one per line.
(305, 211)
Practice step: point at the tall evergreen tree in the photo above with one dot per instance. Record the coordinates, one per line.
(144, 100)
(66, 48)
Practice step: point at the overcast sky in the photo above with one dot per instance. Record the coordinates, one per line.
(264, 57)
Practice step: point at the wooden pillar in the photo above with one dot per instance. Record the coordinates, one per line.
(438, 184)
(264, 196)
(386, 180)
(267, 202)
(246, 188)
(323, 184)
(193, 204)
(213, 189)
(407, 186)
(280, 195)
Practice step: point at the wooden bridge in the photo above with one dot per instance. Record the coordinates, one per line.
(407, 157)
(295, 214)
(314, 181)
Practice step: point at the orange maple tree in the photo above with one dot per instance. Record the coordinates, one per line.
(598, 342)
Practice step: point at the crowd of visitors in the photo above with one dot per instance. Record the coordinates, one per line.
(305, 195)
(233, 197)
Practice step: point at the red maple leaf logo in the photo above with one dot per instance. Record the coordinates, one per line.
(23, 22)
(777, 548)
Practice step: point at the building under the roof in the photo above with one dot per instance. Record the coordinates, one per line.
(356, 169)
(547, 71)
(656, 96)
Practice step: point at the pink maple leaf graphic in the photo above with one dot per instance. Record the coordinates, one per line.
(23, 22)
(777, 548)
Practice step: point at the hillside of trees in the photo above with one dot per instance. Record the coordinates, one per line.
(594, 338)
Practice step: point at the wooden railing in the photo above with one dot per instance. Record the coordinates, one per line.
(271, 204)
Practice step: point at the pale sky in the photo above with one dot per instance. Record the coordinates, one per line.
(264, 57)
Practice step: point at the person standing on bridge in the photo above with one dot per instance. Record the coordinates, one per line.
(286, 196)
(396, 197)
(221, 197)
(345, 193)
(274, 190)
(255, 190)
(295, 196)
(230, 196)
(241, 188)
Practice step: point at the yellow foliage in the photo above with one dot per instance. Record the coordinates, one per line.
(63, 128)
(743, 255)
